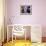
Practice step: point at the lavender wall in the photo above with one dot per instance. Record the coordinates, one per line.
(38, 13)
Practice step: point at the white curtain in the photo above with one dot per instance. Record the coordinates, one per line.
(1, 20)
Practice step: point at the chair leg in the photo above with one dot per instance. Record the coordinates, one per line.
(2, 44)
(15, 38)
(25, 37)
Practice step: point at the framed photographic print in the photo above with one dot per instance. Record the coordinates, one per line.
(26, 10)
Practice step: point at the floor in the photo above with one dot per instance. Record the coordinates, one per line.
(18, 43)
(23, 43)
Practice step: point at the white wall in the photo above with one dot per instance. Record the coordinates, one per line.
(38, 12)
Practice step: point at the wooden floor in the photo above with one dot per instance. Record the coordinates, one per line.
(18, 43)
(23, 43)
